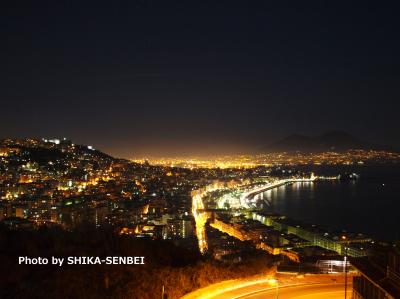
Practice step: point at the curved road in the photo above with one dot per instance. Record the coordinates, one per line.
(315, 291)
(312, 286)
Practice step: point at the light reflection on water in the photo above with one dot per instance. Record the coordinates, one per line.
(369, 206)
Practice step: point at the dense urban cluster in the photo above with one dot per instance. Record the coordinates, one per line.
(212, 208)
(350, 157)
(56, 182)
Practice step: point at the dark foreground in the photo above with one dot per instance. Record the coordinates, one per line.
(179, 269)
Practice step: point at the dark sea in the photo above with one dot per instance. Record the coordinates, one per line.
(369, 205)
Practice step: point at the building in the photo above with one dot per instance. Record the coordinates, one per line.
(377, 278)
(355, 245)
(179, 228)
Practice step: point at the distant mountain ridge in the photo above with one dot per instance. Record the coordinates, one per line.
(329, 141)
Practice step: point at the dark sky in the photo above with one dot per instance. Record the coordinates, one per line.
(198, 77)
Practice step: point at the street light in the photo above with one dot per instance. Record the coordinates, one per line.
(345, 267)
(275, 282)
(277, 289)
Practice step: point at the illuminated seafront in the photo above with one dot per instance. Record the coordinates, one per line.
(244, 199)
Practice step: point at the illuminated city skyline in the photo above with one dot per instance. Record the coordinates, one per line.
(199, 149)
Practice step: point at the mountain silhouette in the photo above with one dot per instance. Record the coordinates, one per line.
(329, 141)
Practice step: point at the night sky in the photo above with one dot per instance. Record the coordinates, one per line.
(198, 77)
